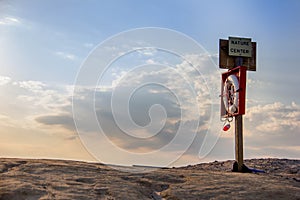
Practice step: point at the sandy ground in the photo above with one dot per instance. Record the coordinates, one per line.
(60, 179)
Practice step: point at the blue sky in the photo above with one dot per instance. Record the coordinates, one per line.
(44, 44)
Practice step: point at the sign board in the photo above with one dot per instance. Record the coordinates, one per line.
(240, 47)
(227, 61)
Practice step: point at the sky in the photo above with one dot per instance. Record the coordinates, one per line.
(137, 82)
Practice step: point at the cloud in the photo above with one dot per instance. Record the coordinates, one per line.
(33, 86)
(88, 45)
(147, 51)
(9, 21)
(272, 130)
(65, 120)
(25, 99)
(150, 61)
(66, 55)
(38, 95)
(254, 83)
(8, 121)
(4, 80)
(275, 118)
(182, 91)
(139, 109)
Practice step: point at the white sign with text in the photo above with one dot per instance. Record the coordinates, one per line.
(240, 47)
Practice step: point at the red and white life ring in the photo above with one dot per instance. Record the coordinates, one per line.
(231, 94)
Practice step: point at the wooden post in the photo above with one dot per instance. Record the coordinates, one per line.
(239, 157)
(239, 154)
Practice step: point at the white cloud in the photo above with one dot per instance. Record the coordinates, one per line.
(254, 83)
(43, 96)
(147, 51)
(275, 118)
(25, 98)
(4, 80)
(34, 86)
(9, 21)
(88, 45)
(150, 61)
(8, 121)
(65, 55)
(272, 130)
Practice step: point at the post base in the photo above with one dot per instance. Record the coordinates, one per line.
(244, 169)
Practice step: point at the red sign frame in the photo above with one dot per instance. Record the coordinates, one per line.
(240, 72)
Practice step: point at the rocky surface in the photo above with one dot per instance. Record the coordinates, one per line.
(61, 179)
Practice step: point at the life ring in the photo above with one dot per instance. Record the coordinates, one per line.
(231, 94)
